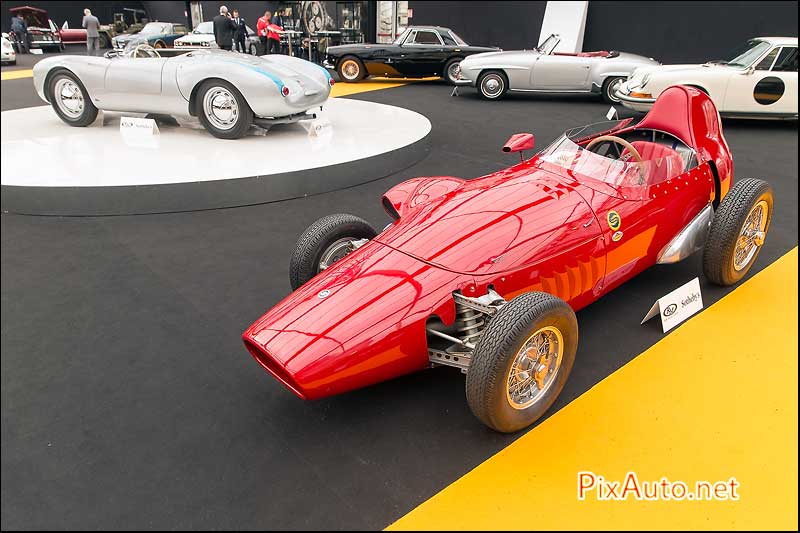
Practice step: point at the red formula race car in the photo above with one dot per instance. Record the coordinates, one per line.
(486, 275)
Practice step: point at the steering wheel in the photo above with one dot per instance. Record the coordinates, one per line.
(146, 49)
(625, 144)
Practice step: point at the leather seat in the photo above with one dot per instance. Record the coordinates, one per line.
(662, 162)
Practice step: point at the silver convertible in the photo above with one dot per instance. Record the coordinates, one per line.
(544, 70)
(227, 91)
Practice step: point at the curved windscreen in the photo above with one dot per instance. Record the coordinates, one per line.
(656, 157)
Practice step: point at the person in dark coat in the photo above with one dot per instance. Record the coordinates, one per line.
(20, 30)
(240, 35)
(224, 28)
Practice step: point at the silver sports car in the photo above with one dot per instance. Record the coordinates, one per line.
(543, 70)
(225, 90)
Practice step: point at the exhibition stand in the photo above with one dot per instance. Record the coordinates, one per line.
(106, 169)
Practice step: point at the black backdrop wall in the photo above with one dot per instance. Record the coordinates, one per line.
(510, 25)
(681, 32)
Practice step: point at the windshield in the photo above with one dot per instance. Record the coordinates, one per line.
(549, 44)
(747, 53)
(458, 38)
(155, 28)
(612, 163)
(204, 27)
(401, 37)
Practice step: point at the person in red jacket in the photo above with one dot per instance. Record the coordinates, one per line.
(261, 30)
(273, 38)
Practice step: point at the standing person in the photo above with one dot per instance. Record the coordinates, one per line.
(224, 29)
(240, 33)
(261, 30)
(20, 30)
(91, 24)
(274, 38)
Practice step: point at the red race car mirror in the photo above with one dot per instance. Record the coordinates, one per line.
(519, 142)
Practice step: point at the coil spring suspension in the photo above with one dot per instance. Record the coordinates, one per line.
(469, 324)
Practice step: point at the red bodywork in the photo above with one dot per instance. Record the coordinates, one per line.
(535, 226)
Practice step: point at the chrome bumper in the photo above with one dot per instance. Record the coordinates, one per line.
(637, 104)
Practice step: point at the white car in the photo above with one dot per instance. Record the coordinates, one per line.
(756, 80)
(9, 56)
(202, 38)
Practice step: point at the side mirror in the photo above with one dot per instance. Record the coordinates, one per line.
(519, 142)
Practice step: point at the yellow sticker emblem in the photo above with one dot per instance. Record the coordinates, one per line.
(614, 220)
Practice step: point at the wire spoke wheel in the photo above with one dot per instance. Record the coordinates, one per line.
(535, 367)
(751, 236)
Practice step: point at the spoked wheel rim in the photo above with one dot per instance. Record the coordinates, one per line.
(454, 71)
(492, 86)
(221, 108)
(350, 70)
(611, 92)
(535, 367)
(69, 97)
(751, 236)
(335, 252)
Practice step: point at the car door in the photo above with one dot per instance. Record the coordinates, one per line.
(422, 54)
(134, 84)
(769, 86)
(560, 72)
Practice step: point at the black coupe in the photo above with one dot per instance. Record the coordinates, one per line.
(418, 52)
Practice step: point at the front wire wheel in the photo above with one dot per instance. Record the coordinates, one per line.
(522, 361)
(738, 231)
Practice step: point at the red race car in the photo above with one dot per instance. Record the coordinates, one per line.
(486, 275)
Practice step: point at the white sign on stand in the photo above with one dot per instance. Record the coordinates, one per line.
(141, 132)
(677, 306)
(318, 127)
(138, 126)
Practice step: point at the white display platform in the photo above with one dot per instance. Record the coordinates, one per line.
(49, 167)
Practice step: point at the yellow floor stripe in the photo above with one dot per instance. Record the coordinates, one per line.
(371, 84)
(714, 399)
(16, 74)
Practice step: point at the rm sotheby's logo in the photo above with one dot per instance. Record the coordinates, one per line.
(672, 308)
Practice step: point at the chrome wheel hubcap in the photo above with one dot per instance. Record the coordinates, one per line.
(350, 69)
(751, 236)
(535, 367)
(335, 252)
(454, 72)
(492, 86)
(612, 90)
(69, 97)
(221, 108)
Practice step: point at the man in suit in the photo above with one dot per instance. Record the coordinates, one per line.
(224, 28)
(91, 24)
(240, 35)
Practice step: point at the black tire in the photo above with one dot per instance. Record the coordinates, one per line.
(719, 252)
(245, 119)
(608, 89)
(160, 44)
(446, 75)
(253, 50)
(345, 63)
(104, 41)
(492, 75)
(496, 351)
(89, 113)
(316, 240)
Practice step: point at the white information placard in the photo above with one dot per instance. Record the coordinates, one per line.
(134, 126)
(677, 306)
